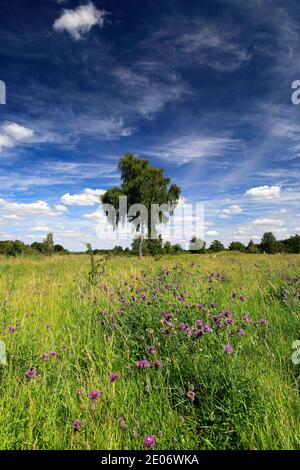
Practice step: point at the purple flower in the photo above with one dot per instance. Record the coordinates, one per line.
(149, 442)
(44, 357)
(31, 373)
(94, 394)
(142, 363)
(182, 326)
(228, 348)
(242, 332)
(76, 425)
(157, 364)
(52, 353)
(246, 318)
(191, 395)
(152, 349)
(122, 423)
(113, 376)
(242, 298)
(207, 328)
(12, 329)
(199, 324)
(263, 322)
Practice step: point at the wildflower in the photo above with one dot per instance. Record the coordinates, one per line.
(246, 318)
(94, 394)
(191, 395)
(122, 423)
(44, 357)
(143, 363)
(228, 348)
(12, 329)
(48, 326)
(31, 373)
(207, 328)
(113, 376)
(242, 332)
(199, 324)
(158, 364)
(149, 442)
(242, 298)
(263, 322)
(182, 326)
(52, 353)
(152, 349)
(76, 425)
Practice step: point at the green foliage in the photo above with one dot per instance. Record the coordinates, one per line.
(216, 246)
(248, 399)
(97, 267)
(268, 243)
(237, 246)
(143, 184)
(252, 248)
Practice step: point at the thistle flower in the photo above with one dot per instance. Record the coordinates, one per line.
(53, 353)
(242, 332)
(12, 329)
(228, 348)
(149, 442)
(44, 357)
(113, 376)
(31, 373)
(191, 395)
(94, 394)
(122, 423)
(143, 363)
(76, 425)
(152, 349)
(246, 318)
(158, 364)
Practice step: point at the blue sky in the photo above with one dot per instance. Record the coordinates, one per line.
(200, 88)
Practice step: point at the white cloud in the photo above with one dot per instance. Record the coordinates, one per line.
(17, 210)
(268, 222)
(12, 134)
(264, 193)
(78, 22)
(231, 210)
(211, 233)
(187, 149)
(89, 197)
(41, 228)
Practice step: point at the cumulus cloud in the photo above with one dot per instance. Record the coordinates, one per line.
(211, 233)
(78, 22)
(12, 134)
(40, 228)
(231, 210)
(38, 208)
(264, 193)
(89, 197)
(268, 222)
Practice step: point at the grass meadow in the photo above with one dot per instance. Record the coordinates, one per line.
(194, 350)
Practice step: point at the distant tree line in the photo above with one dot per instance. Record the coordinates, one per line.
(16, 247)
(158, 247)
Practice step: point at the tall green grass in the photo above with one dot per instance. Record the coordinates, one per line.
(248, 399)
